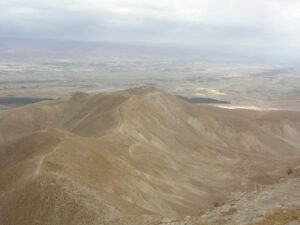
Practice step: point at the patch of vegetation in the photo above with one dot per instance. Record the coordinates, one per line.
(20, 100)
(202, 100)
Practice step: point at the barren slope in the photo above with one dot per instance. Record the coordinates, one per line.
(134, 156)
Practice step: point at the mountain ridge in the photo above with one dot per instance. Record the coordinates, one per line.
(139, 153)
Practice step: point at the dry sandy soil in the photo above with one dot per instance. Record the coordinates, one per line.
(143, 156)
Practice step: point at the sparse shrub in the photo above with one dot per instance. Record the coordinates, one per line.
(280, 217)
(289, 171)
(218, 204)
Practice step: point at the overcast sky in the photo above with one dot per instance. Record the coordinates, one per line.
(194, 22)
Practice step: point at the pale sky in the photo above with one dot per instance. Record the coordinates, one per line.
(193, 22)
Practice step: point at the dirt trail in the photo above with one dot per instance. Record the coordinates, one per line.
(39, 167)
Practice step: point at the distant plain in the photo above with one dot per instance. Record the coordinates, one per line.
(55, 69)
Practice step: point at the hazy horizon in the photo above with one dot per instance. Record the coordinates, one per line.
(263, 30)
(34, 48)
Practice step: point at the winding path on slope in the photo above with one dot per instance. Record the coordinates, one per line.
(38, 169)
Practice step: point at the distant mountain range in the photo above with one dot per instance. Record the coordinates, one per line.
(41, 49)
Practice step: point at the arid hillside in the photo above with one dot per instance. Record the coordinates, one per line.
(136, 157)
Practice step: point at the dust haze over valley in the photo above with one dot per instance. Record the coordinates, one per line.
(149, 112)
